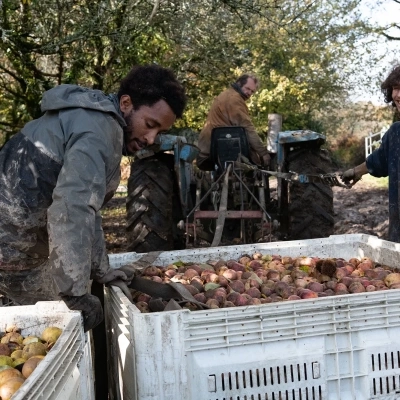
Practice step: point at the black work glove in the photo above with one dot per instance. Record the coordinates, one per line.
(350, 177)
(117, 277)
(89, 305)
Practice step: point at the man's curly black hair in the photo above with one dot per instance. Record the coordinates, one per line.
(147, 84)
(393, 79)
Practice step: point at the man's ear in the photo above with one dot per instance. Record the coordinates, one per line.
(125, 104)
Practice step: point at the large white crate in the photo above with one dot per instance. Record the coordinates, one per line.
(333, 348)
(66, 372)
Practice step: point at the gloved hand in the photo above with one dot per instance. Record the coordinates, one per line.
(89, 305)
(350, 177)
(131, 270)
(112, 275)
(117, 277)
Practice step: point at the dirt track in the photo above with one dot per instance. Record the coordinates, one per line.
(362, 209)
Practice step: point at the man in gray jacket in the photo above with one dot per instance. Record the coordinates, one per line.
(56, 174)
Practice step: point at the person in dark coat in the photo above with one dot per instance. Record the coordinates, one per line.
(57, 173)
(384, 161)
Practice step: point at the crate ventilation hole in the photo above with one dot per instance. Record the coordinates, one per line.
(386, 384)
(263, 379)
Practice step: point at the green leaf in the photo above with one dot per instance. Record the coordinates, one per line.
(211, 286)
(179, 263)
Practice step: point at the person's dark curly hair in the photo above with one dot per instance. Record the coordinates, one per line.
(393, 79)
(147, 84)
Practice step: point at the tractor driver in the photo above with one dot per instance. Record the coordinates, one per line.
(230, 109)
(384, 161)
(58, 171)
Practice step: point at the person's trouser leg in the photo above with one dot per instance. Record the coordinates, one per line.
(26, 287)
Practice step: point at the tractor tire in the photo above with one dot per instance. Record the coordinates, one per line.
(151, 207)
(310, 204)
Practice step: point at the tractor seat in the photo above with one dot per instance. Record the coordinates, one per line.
(227, 143)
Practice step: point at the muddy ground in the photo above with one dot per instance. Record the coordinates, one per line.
(362, 209)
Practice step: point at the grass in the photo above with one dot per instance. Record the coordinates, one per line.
(115, 209)
(379, 183)
(114, 212)
(120, 194)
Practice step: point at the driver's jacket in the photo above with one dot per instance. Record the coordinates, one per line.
(385, 161)
(55, 175)
(230, 109)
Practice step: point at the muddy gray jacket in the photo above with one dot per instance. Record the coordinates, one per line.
(385, 161)
(54, 177)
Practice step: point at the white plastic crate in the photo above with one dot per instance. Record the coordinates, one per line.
(66, 372)
(333, 348)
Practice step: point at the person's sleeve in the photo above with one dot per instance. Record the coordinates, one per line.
(73, 221)
(100, 262)
(378, 162)
(240, 116)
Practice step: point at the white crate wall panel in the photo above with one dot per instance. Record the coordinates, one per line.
(66, 372)
(340, 347)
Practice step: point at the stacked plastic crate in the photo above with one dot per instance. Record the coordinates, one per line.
(66, 372)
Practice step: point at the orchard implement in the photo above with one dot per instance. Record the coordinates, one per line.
(171, 204)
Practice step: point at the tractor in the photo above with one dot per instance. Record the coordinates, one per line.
(172, 205)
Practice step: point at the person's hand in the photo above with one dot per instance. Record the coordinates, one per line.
(117, 277)
(350, 177)
(131, 270)
(266, 160)
(112, 275)
(124, 287)
(89, 305)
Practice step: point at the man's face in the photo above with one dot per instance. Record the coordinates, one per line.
(145, 123)
(396, 96)
(249, 88)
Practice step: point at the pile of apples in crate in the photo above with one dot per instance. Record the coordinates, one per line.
(19, 356)
(259, 279)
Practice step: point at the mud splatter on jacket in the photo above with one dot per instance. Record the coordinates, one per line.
(230, 109)
(384, 161)
(54, 177)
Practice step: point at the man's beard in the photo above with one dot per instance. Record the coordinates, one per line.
(239, 90)
(128, 133)
(124, 148)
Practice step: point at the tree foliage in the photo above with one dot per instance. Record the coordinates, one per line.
(50, 42)
(302, 50)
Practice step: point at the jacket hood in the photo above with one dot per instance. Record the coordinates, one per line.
(72, 96)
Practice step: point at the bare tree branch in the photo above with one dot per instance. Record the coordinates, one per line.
(155, 8)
